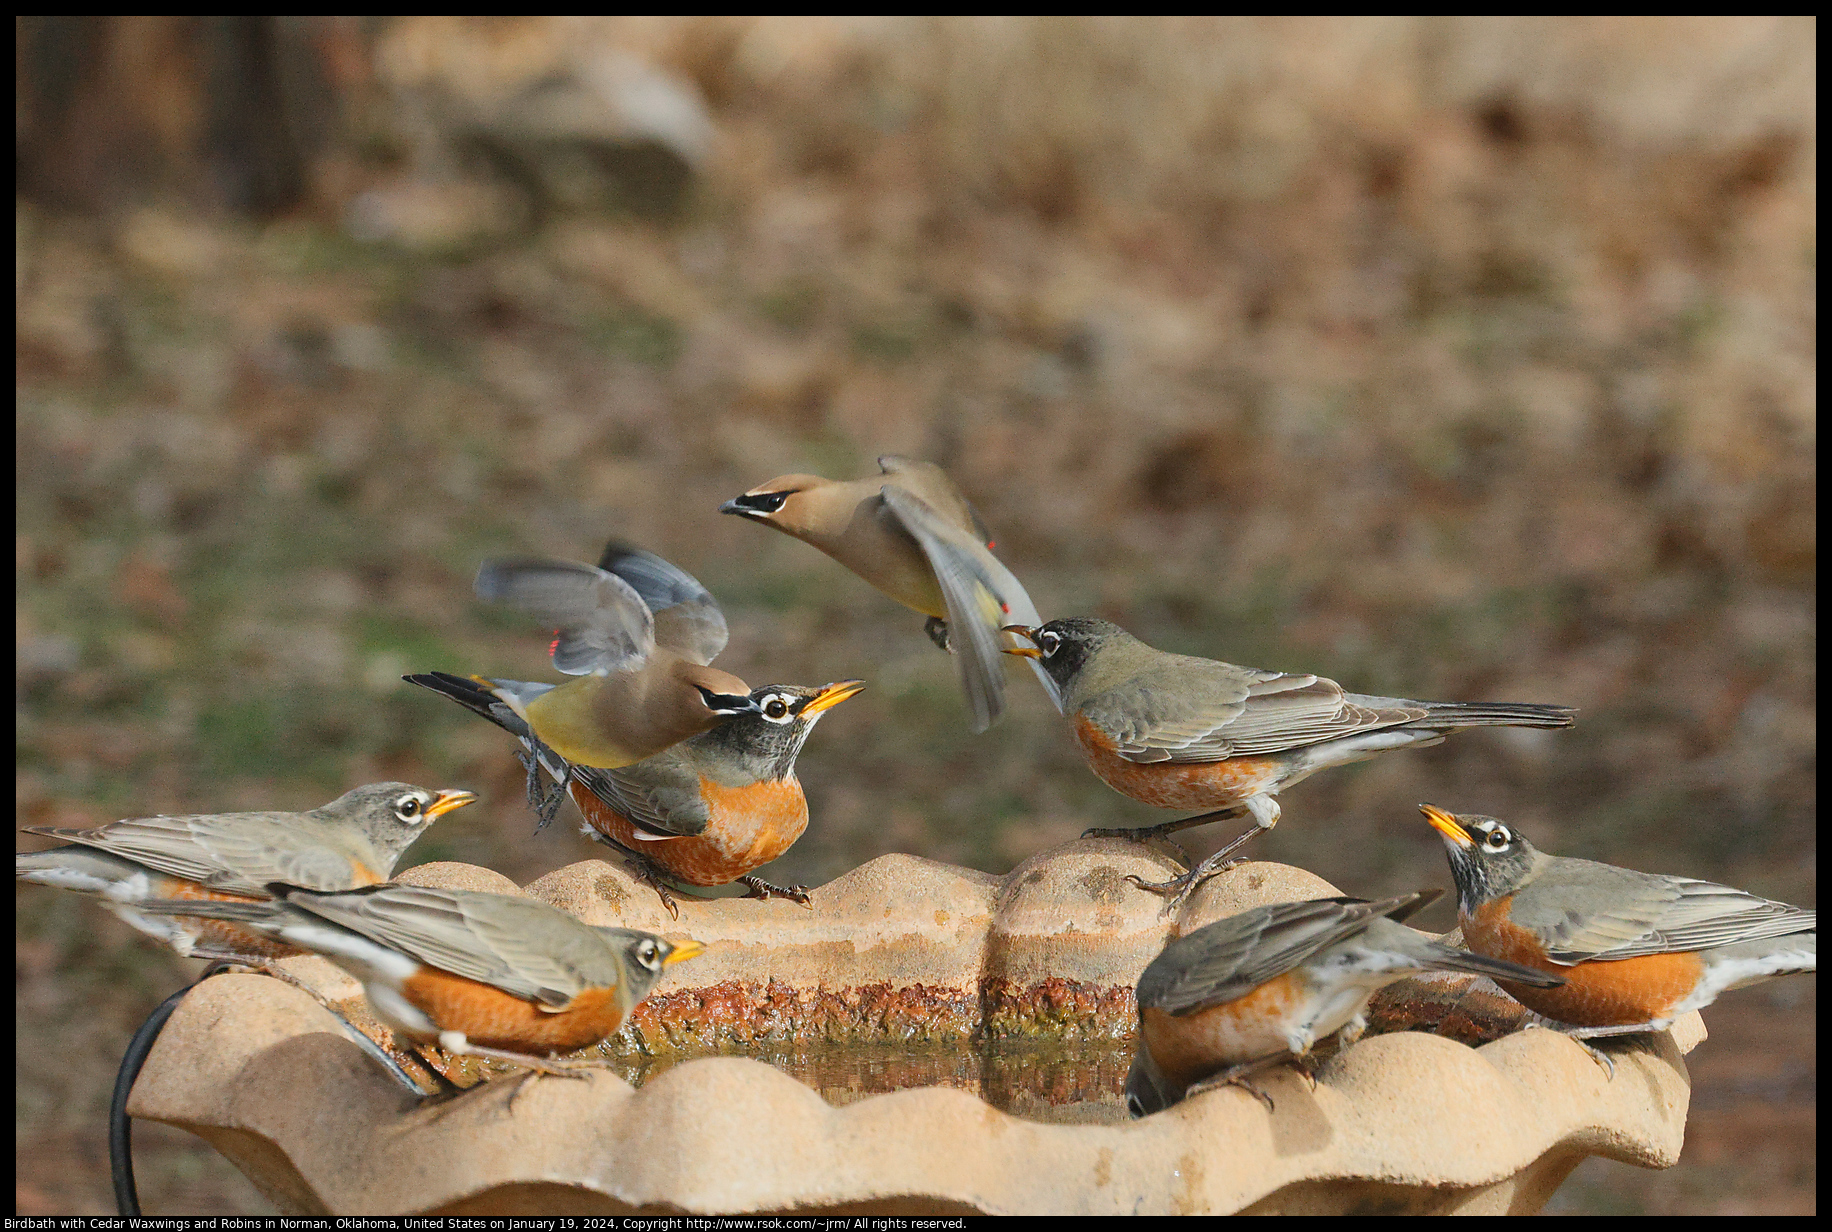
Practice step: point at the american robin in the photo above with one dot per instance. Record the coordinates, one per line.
(488, 975)
(1261, 987)
(639, 634)
(355, 840)
(706, 811)
(1186, 733)
(910, 533)
(1637, 950)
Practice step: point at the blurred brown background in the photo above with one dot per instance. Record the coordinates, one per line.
(1466, 359)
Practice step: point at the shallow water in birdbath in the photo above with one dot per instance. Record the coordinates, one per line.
(1072, 1082)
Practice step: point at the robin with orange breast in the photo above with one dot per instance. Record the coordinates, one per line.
(1636, 950)
(1259, 988)
(487, 975)
(1180, 732)
(639, 635)
(909, 532)
(706, 811)
(355, 840)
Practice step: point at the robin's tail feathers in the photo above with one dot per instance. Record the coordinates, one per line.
(210, 909)
(1496, 714)
(1445, 958)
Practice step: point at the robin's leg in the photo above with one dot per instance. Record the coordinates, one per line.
(937, 629)
(648, 871)
(455, 1041)
(759, 888)
(1145, 834)
(1265, 812)
(1237, 1075)
(1578, 1035)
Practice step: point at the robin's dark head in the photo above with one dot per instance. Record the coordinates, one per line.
(1065, 647)
(642, 956)
(393, 815)
(1146, 1091)
(765, 743)
(1488, 859)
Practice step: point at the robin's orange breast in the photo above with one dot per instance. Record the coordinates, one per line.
(1178, 785)
(223, 935)
(748, 827)
(492, 1018)
(1190, 1048)
(1620, 993)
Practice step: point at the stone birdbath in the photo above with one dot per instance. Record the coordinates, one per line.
(939, 1041)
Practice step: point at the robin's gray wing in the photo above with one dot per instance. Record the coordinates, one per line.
(981, 595)
(238, 853)
(1228, 959)
(660, 794)
(1180, 708)
(687, 618)
(522, 946)
(1583, 910)
(601, 623)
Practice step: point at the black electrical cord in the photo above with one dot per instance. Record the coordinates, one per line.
(120, 1127)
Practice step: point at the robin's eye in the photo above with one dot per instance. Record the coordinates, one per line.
(775, 708)
(645, 954)
(1497, 839)
(407, 807)
(1049, 643)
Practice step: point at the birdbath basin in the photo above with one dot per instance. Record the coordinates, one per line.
(924, 1040)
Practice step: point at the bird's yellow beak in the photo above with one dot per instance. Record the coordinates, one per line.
(832, 696)
(450, 799)
(1029, 634)
(1447, 825)
(683, 950)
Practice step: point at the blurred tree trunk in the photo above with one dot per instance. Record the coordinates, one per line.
(225, 113)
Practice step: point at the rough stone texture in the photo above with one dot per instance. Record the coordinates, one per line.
(906, 949)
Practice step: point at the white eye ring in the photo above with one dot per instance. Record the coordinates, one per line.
(1049, 643)
(409, 808)
(645, 954)
(776, 709)
(1498, 838)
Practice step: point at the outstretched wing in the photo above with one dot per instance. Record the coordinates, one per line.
(601, 623)
(981, 595)
(687, 618)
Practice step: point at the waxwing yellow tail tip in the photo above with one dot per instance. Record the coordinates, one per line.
(1446, 823)
(683, 950)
